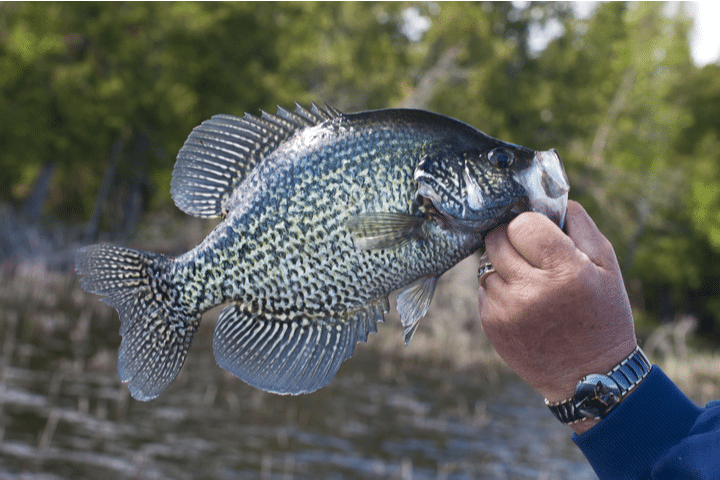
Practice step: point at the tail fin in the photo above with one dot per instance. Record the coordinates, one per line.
(156, 332)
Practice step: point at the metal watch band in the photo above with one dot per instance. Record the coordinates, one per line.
(596, 395)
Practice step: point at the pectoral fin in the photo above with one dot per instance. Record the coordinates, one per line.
(381, 230)
(413, 303)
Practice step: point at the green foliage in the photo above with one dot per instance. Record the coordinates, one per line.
(636, 123)
(81, 76)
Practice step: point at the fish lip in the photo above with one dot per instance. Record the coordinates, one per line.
(517, 208)
(521, 206)
(546, 185)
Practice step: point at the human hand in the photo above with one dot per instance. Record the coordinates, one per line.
(556, 308)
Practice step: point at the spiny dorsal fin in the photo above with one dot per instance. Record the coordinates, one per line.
(219, 154)
(290, 356)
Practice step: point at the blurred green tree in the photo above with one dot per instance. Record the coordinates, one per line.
(83, 80)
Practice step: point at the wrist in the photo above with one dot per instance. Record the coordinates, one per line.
(581, 363)
(584, 425)
(597, 394)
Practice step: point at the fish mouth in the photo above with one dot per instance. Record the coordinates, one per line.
(521, 206)
(546, 186)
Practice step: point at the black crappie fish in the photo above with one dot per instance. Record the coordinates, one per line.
(324, 214)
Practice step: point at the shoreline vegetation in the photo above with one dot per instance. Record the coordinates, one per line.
(43, 307)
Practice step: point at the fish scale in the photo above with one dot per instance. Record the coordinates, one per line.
(324, 214)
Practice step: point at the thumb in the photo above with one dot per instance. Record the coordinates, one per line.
(540, 241)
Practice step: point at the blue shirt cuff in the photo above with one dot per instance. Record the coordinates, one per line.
(627, 443)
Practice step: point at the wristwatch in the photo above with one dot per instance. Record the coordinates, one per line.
(596, 395)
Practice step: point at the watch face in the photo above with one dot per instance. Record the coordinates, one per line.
(596, 395)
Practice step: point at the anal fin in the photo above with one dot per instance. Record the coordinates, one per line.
(290, 356)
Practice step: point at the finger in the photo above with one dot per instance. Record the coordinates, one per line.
(506, 261)
(539, 241)
(482, 296)
(492, 290)
(588, 238)
(494, 285)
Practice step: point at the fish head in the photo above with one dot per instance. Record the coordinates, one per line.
(475, 190)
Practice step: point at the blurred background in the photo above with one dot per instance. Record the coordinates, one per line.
(97, 99)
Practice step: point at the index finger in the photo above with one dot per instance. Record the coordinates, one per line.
(588, 238)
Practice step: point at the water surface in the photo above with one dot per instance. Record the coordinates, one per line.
(65, 415)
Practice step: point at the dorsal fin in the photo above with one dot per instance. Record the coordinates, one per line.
(220, 152)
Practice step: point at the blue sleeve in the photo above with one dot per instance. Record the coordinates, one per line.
(655, 433)
(698, 455)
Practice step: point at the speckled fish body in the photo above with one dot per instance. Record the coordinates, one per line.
(324, 214)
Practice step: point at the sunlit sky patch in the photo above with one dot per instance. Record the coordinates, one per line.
(704, 37)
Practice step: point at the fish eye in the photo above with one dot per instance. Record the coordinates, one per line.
(501, 157)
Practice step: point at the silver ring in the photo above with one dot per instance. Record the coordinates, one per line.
(483, 272)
